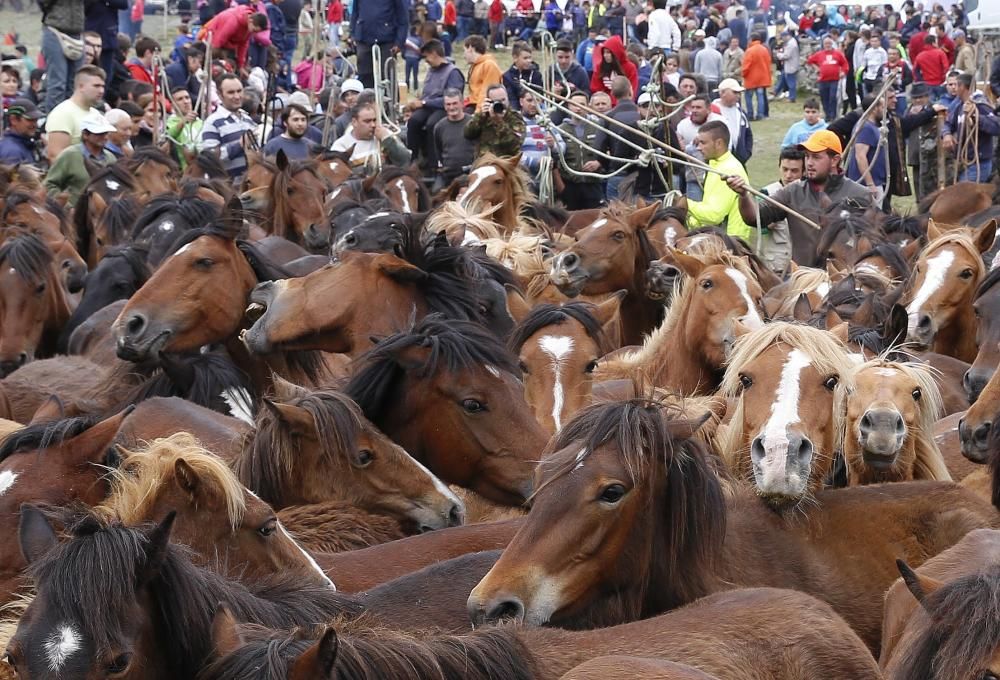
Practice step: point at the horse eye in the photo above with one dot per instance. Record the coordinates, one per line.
(746, 381)
(100, 241)
(204, 263)
(707, 284)
(472, 406)
(831, 382)
(591, 367)
(989, 675)
(365, 458)
(120, 664)
(967, 274)
(916, 394)
(523, 366)
(268, 528)
(612, 493)
(618, 236)
(40, 289)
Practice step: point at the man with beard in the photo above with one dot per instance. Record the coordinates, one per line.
(292, 141)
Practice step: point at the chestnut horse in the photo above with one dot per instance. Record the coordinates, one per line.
(451, 395)
(33, 303)
(226, 526)
(644, 526)
(499, 181)
(635, 667)
(611, 254)
(986, 305)
(975, 425)
(687, 352)
(957, 201)
(47, 221)
(558, 348)
(939, 298)
(890, 424)
(740, 635)
(790, 384)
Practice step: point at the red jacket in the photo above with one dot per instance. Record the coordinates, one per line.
(335, 12)
(756, 66)
(831, 63)
(931, 65)
(495, 15)
(450, 14)
(231, 31)
(613, 45)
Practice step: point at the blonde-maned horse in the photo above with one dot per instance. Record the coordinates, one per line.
(462, 223)
(790, 383)
(499, 181)
(890, 424)
(779, 302)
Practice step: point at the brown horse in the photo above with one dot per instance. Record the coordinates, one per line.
(226, 526)
(55, 463)
(558, 348)
(450, 394)
(939, 299)
(644, 526)
(634, 667)
(975, 425)
(954, 203)
(33, 303)
(790, 383)
(298, 204)
(890, 424)
(719, 298)
(499, 181)
(986, 305)
(404, 190)
(612, 254)
(47, 221)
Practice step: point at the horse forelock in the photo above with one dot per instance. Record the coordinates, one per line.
(28, 256)
(547, 314)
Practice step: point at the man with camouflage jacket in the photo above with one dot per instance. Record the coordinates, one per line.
(580, 192)
(496, 128)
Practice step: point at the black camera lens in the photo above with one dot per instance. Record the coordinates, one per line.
(498, 108)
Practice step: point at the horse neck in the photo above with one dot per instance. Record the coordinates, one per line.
(508, 217)
(59, 310)
(958, 339)
(675, 364)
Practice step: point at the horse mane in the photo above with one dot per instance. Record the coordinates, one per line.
(366, 652)
(26, 254)
(452, 272)
(962, 238)
(453, 345)
(520, 192)
(45, 434)
(209, 163)
(81, 208)
(893, 256)
(147, 154)
(92, 578)
(135, 257)
(195, 211)
(692, 511)
(281, 183)
(984, 286)
(802, 280)
(207, 379)
(843, 218)
(913, 226)
(120, 216)
(136, 483)
(827, 355)
(452, 216)
(544, 315)
(272, 451)
(523, 256)
(959, 635)
(672, 212)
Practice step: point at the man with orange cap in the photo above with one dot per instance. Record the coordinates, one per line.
(824, 183)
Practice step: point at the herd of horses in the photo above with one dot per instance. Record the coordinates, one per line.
(325, 426)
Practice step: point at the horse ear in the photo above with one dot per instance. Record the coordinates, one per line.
(832, 271)
(802, 311)
(911, 250)
(607, 312)
(933, 231)
(98, 201)
(93, 444)
(985, 235)
(226, 637)
(400, 270)
(641, 218)
(35, 533)
(894, 330)
(840, 332)
(832, 318)
(317, 662)
(286, 390)
(253, 157)
(281, 160)
(517, 306)
(187, 478)
(689, 264)
(51, 409)
(295, 418)
(369, 183)
(919, 586)
(157, 542)
(515, 160)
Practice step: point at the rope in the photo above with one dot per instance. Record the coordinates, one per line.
(546, 190)
(878, 97)
(204, 102)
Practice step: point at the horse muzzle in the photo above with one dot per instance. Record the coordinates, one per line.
(974, 381)
(975, 440)
(881, 433)
(10, 364)
(661, 278)
(921, 330)
(568, 274)
(315, 240)
(138, 339)
(781, 467)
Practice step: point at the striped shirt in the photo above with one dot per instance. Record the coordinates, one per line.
(224, 130)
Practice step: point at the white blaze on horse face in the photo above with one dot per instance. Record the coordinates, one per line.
(493, 371)
(309, 558)
(186, 247)
(558, 347)
(336, 192)
(61, 645)
(670, 234)
(885, 372)
(823, 288)
(111, 184)
(7, 479)
(784, 413)
(752, 318)
(476, 178)
(596, 224)
(937, 267)
(405, 198)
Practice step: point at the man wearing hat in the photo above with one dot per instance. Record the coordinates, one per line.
(73, 167)
(18, 143)
(349, 91)
(728, 106)
(922, 144)
(824, 181)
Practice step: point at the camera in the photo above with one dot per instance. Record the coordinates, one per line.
(499, 108)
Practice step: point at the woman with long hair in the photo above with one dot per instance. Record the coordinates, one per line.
(612, 62)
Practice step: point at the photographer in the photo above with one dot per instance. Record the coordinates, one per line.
(496, 128)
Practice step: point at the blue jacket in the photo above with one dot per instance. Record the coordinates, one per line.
(15, 148)
(276, 22)
(512, 78)
(989, 129)
(583, 54)
(101, 17)
(178, 76)
(434, 10)
(380, 21)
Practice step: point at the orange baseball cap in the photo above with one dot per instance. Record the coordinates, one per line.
(823, 140)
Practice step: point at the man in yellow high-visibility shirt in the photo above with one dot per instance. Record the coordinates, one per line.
(720, 204)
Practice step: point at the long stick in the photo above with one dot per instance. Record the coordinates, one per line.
(693, 160)
(881, 93)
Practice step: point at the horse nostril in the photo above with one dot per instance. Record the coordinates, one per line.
(982, 433)
(866, 423)
(900, 426)
(757, 450)
(22, 358)
(456, 517)
(967, 380)
(506, 610)
(924, 323)
(570, 261)
(135, 324)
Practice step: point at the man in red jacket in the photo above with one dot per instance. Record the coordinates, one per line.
(832, 65)
(931, 66)
(141, 65)
(233, 28)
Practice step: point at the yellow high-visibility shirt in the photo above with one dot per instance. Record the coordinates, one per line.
(720, 202)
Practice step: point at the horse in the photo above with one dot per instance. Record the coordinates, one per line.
(226, 526)
(164, 220)
(558, 348)
(204, 165)
(978, 421)
(55, 463)
(108, 186)
(645, 526)
(847, 233)
(636, 667)
(686, 353)
(986, 305)
(450, 394)
(46, 220)
(939, 298)
(790, 384)
(954, 203)
(690, 636)
(891, 413)
(404, 190)
(316, 446)
(612, 254)
(297, 209)
(499, 181)
(33, 303)
(371, 228)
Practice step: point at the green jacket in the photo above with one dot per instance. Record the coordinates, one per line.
(186, 135)
(501, 138)
(576, 155)
(69, 173)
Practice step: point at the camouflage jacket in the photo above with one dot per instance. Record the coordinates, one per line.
(576, 155)
(502, 138)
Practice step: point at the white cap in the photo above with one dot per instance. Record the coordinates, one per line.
(730, 84)
(351, 85)
(96, 124)
(644, 98)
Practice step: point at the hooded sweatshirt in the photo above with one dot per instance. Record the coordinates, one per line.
(597, 81)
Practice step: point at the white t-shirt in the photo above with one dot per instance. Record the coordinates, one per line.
(687, 129)
(873, 59)
(363, 148)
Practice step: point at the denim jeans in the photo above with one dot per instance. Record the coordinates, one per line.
(761, 93)
(787, 82)
(412, 68)
(465, 25)
(58, 69)
(828, 95)
(977, 173)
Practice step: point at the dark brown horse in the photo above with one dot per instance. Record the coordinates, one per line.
(986, 304)
(47, 221)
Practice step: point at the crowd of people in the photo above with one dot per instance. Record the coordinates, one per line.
(884, 78)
